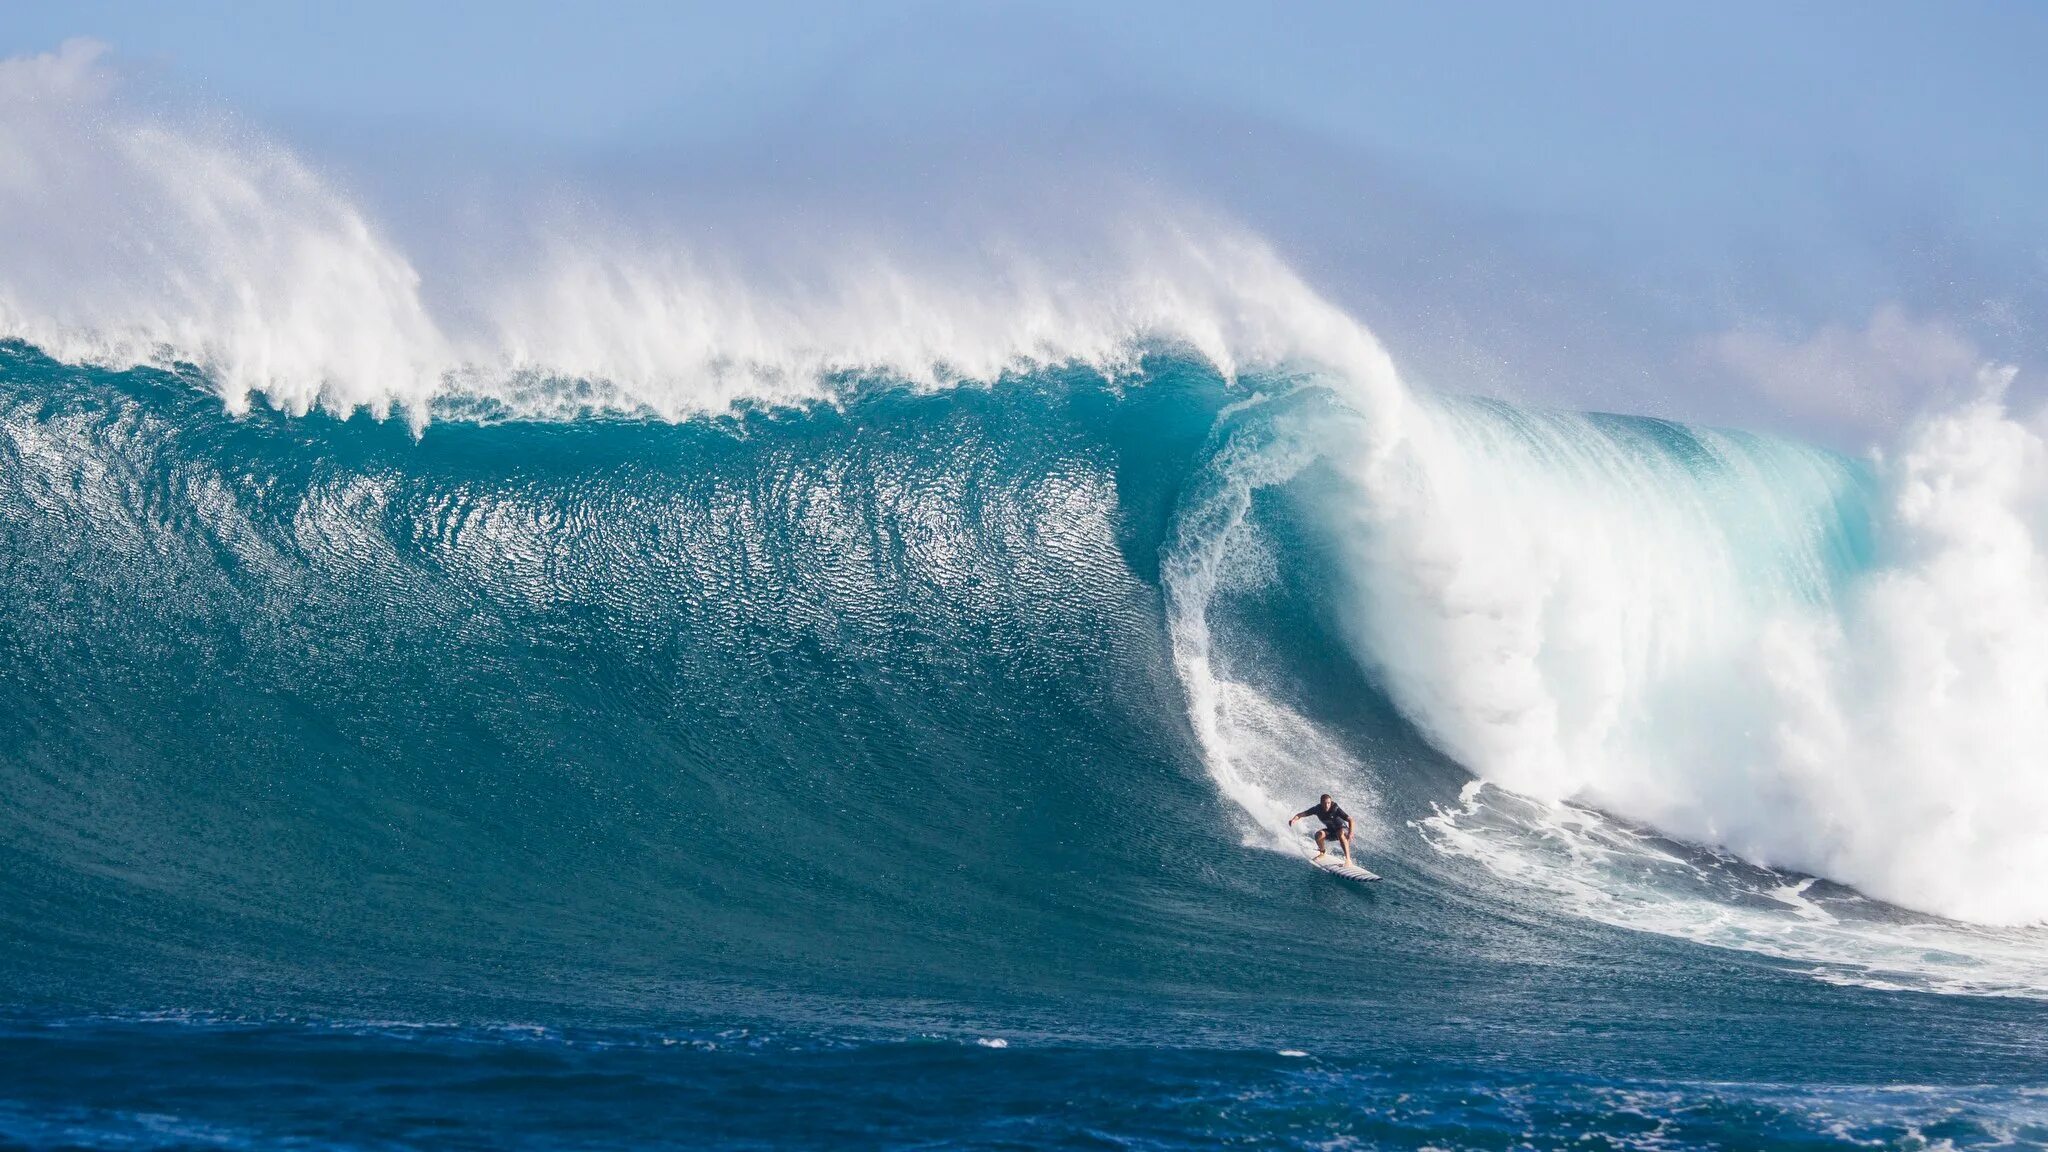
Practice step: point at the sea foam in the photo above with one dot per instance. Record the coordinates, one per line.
(142, 237)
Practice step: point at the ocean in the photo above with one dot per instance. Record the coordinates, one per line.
(910, 767)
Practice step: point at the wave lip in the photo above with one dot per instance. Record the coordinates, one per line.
(146, 238)
(134, 240)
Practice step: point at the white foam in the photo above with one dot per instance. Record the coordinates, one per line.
(1910, 725)
(1682, 633)
(1586, 864)
(1263, 756)
(136, 237)
(129, 242)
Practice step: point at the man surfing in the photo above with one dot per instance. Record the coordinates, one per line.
(1336, 822)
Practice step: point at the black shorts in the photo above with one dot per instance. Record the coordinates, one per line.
(1332, 833)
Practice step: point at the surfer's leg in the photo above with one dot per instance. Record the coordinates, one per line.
(1346, 837)
(1320, 834)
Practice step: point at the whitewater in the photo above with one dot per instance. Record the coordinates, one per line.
(413, 645)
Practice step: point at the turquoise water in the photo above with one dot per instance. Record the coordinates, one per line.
(815, 777)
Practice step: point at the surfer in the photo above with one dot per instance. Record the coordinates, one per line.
(1336, 822)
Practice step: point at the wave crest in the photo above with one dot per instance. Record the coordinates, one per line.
(140, 238)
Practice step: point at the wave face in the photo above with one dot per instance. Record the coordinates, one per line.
(307, 644)
(980, 712)
(1707, 634)
(317, 696)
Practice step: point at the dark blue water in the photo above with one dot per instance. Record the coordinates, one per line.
(801, 779)
(128, 1085)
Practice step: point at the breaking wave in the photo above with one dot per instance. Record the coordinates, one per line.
(700, 521)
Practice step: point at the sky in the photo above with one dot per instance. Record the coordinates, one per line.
(1581, 108)
(1796, 165)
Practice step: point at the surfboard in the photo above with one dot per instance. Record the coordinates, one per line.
(1333, 863)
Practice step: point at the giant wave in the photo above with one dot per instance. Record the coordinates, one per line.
(246, 641)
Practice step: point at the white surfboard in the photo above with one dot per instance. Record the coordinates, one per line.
(1333, 863)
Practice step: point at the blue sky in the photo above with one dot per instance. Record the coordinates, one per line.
(1808, 163)
(1578, 108)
